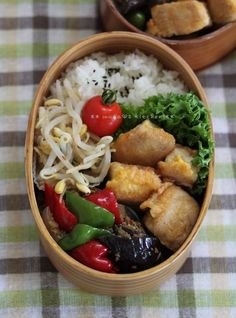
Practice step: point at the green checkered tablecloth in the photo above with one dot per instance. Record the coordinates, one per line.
(32, 34)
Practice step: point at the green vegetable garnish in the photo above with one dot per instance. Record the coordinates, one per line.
(184, 116)
(137, 18)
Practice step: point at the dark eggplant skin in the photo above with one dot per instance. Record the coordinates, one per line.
(126, 210)
(133, 254)
(152, 3)
(131, 225)
(126, 6)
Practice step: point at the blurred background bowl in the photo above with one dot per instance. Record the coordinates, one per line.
(83, 276)
(198, 52)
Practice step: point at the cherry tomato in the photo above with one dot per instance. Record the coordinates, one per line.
(101, 114)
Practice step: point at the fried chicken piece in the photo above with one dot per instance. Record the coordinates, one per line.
(172, 216)
(222, 11)
(132, 184)
(178, 168)
(143, 145)
(178, 18)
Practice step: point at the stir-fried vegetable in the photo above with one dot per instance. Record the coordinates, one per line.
(64, 218)
(184, 116)
(81, 234)
(133, 254)
(88, 212)
(107, 200)
(94, 255)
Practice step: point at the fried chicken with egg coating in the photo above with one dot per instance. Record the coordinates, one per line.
(132, 184)
(178, 166)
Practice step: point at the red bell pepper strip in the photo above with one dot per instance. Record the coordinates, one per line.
(48, 196)
(93, 254)
(64, 218)
(107, 200)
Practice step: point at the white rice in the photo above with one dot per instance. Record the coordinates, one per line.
(135, 76)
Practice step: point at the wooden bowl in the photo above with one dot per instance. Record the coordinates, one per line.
(82, 276)
(198, 52)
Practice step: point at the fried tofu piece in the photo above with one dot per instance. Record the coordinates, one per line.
(178, 18)
(132, 184)
(222, 11)
(172, 216)
(143, 145)
(178, 168)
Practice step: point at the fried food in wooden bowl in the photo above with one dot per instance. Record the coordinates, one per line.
(201, 34)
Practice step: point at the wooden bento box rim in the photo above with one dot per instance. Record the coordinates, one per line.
(56, 69)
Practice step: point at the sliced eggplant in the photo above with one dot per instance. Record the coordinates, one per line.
(131, 225)
(133, 254)
(152, 3)
(125, 6)
(126, 210)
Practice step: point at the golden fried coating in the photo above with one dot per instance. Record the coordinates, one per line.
(172, 216)
(132, 184)
(177, 166)
(143, 145)
(222, 11)
(178, 18)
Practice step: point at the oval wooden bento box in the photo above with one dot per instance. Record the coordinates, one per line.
(198, 52)
(82, 276)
